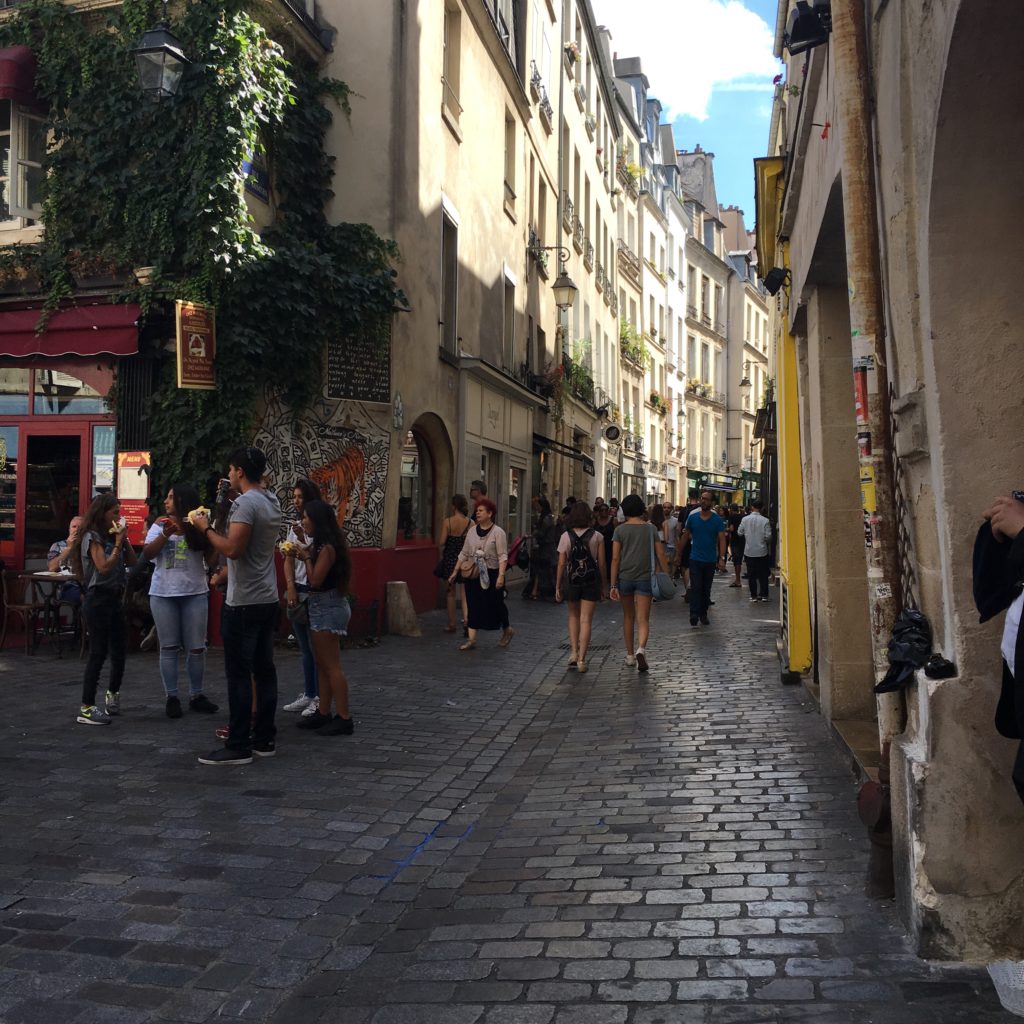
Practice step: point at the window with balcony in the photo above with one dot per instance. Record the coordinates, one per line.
(23, 146)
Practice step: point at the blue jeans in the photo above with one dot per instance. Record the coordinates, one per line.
(702, 575)
(248, 632)
(301, 631)
(181, 626)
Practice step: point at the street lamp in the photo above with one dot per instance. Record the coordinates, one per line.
(745, 385)
(809, 26)
(160, 61)
(565, 290)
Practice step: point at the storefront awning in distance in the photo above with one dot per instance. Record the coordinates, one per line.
(102, 329)
(18, 75)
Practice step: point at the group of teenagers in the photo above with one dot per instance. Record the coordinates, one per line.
(588, 554)
(234, 550)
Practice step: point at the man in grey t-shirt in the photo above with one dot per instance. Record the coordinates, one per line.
(251, 612)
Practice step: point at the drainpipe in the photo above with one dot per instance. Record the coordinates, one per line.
(870, 364)
(563, 187)
(871, 388)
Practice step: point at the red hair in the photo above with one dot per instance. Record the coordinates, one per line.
(489, 505)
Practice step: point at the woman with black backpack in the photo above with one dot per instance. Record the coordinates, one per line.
(328, 570)
(582, 576)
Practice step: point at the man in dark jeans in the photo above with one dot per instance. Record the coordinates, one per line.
(251, 610)
(757, 532)
(705, 533)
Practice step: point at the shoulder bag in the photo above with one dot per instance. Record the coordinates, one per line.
(662, 586)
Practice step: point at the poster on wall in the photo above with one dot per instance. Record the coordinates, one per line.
(196, 343)
(359, 365)
(133, 492)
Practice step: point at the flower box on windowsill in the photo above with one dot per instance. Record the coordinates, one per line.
(20, 282)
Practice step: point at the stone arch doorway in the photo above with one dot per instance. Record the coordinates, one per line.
(974, 360)
(427, 474)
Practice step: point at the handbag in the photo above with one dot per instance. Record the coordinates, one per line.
(662, 586)
(298, 613)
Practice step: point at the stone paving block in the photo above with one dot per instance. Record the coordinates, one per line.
(667, 970)
(596, 970)
(740, 968)
(710, 990)
(634, 991)
(558, 992)
(592, 1015)
(520, 1014)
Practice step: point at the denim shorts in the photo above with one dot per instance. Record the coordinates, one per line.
(629, 587)
(329, 612)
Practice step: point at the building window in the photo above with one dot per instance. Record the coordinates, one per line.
(508, 332)
(22, 146)
(449, 284)
(705, 296)
(451, 62)
(57, 393)
(510, 161)
(14, 391)
(691, 354)
(709, 234)
(705, 364)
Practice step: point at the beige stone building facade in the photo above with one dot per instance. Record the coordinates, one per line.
(942, 173)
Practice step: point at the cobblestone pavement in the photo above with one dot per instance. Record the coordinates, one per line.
(502, 842)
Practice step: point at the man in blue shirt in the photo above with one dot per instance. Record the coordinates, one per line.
(706, 532)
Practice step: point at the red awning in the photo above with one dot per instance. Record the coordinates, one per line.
(18, 75)
(77, 331)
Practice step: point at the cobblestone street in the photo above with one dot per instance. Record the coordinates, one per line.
(502, 842)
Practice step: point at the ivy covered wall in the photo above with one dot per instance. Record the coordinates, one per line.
(132, 183)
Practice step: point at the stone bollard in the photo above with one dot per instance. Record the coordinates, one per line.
(401, 615)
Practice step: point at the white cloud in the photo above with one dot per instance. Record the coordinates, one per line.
(690, 48)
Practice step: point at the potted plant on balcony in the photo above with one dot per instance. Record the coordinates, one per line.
(572, 52)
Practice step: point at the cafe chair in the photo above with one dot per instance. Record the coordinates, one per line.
(21, 598)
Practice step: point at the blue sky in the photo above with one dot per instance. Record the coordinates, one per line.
(710, 63)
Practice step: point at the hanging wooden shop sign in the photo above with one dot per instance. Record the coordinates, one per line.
(196, 345)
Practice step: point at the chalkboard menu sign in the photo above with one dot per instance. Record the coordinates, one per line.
(359, 366)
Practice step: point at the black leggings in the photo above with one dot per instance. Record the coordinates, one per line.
(105, 618)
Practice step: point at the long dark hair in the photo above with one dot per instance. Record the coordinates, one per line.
(309, 490)
(92, 522)
(327, 531)
(185, 498)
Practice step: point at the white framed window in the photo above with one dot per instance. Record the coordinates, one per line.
(22, 149)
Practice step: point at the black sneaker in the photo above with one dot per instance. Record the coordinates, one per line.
(312, 721)
(226, 756)
(641, 661)
(264, 749)
(173, 707)
(693, 620)
(202, 703)
(337, 726)
(704, 621)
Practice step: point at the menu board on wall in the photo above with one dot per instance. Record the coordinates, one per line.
(359, 365)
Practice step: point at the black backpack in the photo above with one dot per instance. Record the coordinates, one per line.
(582, 569)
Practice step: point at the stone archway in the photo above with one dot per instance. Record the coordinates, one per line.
(967, 824)
(431, 429)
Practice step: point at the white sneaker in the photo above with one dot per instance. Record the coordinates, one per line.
(630, 660)
(312, 708)
(300, 703)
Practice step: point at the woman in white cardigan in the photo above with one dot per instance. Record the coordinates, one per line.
(481, 567)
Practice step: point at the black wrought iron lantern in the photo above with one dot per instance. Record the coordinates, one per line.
(161, 62)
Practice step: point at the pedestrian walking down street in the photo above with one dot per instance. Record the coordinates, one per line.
(543, 552)
(605, 524)
(705, 532)
(756, 531)
(179, 597)
(329, 572)
(582, 579)
(670, 533)
(297, 598)
(736, 543)
(481, 566)
(99, 555)
(251, 610)
(631, 576)
(450, 541)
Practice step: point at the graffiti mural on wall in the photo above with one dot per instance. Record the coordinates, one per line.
(340, 447)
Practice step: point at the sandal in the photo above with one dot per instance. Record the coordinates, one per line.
(468, 645)
(581, 666)
(506, 637)
(449, 629)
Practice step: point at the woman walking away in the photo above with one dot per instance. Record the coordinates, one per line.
(296, 592)
(631, 575)
(99, 558)
(582, 578)
(453, 536)
(482, 563)
(328, 571)
(605, 524)
(179, 597)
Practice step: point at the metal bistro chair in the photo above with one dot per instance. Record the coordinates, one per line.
(21, 598)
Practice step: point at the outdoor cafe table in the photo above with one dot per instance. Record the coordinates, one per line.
(49, 584)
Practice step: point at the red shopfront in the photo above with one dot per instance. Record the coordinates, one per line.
(57, 437)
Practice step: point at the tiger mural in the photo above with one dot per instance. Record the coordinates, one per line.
(338, 478)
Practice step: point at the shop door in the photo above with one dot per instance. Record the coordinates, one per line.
(55, 480)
